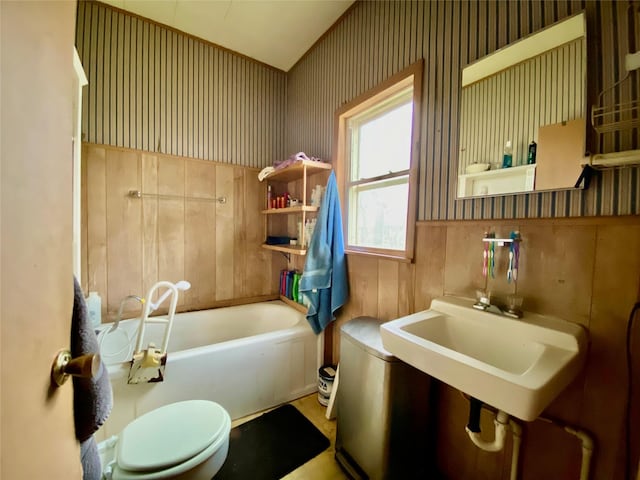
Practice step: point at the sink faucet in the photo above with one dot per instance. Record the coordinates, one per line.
(511, 310)
(487, 307)
(122, 302)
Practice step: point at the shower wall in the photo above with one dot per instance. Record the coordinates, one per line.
(178, 229)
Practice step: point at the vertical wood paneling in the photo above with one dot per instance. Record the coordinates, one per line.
(156, 90)
(124, 228)
(388, 276)
(200, 232)
(225, 234)
(449, 35)
(239, 234)
(150, 240)
(200, 251)
(175, 231)
(171, 224)
(256, 282)
(96, 208)
(171, 241)
(84, 278)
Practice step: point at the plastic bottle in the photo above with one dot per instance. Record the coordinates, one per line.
(94, 308)
(531, 155)
(507, 156)
(269, 196)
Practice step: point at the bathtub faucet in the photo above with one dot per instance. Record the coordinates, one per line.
(122, 302)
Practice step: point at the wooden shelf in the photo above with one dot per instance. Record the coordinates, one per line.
(292, 249)
(296, 170)
(298, 209)
(292, 304)
(497, 182)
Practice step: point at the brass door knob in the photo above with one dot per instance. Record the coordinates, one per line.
(86, 366)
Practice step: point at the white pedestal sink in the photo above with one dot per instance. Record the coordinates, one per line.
(517, 366)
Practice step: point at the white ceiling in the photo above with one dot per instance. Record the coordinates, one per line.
(275, 32)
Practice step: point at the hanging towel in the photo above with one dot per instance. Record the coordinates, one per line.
(92, 398)
(324, 281)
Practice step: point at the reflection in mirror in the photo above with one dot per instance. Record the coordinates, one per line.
(527, 100)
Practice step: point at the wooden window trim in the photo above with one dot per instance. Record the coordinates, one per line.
(412, 75)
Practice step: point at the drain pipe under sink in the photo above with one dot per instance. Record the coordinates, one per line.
(473, 427)
(500, 421)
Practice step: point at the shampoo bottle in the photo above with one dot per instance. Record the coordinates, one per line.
(269, 196)
(531, 155)
(94, 309)
(507, 156)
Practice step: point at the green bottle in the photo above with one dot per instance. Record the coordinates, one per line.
(531, 155)
(507, 156)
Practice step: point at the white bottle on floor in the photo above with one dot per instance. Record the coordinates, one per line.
(94, 309)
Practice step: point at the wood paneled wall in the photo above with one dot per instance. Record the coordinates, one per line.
(583, 270)
(176, 230)
(155, 89)
(378, 39)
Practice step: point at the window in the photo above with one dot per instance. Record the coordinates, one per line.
(377, 164)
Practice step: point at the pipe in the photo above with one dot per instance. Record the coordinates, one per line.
(473, 430)
(500, 423)
(587, 450)
(475, 405)
(587, 444)
(516, 431)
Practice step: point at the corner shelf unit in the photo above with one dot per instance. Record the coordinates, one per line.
(296, 171)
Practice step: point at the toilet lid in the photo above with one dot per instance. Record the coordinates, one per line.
(170, 435)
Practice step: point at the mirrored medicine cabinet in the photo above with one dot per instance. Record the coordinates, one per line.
(531, 90)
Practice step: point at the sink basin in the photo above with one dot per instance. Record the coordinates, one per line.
(518, 366)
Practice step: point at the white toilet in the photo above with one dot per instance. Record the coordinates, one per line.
(186, 440)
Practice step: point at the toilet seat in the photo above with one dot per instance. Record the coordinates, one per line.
(171, 440)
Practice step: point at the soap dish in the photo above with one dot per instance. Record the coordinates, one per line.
(477, 167)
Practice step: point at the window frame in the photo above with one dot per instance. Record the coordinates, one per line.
(377, 96)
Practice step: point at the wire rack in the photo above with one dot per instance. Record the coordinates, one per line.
(620, 116)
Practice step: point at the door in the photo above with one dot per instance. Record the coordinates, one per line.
(36, 288)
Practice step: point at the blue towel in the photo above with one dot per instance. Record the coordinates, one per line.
(324, 281)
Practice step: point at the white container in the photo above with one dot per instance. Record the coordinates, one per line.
(326, 376)
(94, 309)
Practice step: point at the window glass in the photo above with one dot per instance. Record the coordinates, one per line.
(377, 160)
(382, 144)
(378, 214)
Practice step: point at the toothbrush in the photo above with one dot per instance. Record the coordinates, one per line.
(492, 271)
(515, 253)
(485, 255)
(516, 260)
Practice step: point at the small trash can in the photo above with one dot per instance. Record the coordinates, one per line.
(326, 376)
(385, 420)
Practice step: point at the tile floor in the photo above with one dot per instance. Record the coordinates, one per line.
(323, 466)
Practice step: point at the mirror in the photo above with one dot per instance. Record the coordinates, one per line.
(533, 90)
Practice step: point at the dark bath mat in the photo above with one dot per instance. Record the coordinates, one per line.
(271, 445)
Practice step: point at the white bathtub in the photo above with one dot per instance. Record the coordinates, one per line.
(246, 358)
